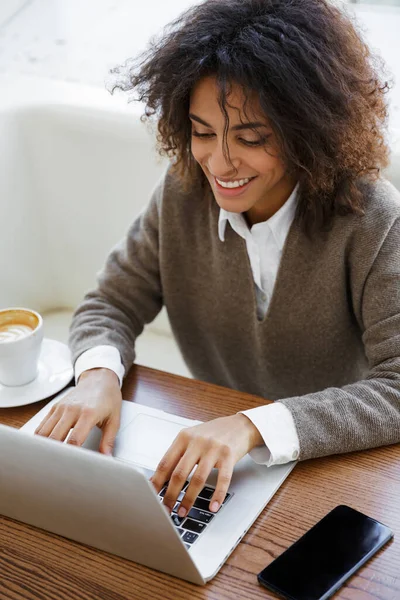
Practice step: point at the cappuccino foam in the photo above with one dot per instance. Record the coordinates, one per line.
(16, 324)
(13, 331)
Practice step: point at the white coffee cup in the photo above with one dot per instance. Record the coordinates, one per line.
(21, 337)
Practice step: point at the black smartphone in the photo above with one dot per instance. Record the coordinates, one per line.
(318, 564)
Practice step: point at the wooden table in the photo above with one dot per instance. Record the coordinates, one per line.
(38, 565)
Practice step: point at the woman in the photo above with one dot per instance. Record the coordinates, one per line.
(272, 241)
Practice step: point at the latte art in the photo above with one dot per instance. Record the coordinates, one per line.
(13, 331)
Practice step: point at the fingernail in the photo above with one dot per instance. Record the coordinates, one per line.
(182, 512)
(214, 506)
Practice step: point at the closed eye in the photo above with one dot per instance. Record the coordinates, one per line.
(259, 142)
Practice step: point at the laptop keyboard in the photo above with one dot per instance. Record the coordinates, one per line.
(199, 517)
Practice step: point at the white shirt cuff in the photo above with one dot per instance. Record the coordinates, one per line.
(276, 426)
(106, 357)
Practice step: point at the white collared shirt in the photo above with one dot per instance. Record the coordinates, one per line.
(264, 243)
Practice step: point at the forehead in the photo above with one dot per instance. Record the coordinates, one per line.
(204, 100)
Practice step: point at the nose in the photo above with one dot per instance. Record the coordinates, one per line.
(219, 165)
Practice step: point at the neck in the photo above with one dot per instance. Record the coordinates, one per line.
(267, 207)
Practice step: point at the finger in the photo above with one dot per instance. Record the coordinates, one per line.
(49, 422)
(56, 407)
(85, 423)
(197, 482)
(64, 425)
(223, 481)
(109, 434)
(179, 476)
(169, 461)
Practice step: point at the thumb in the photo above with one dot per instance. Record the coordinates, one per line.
(108, 438)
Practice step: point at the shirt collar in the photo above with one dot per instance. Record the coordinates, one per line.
(279, 223)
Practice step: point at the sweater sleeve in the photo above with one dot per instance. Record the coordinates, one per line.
(128, 293)
(366, 413)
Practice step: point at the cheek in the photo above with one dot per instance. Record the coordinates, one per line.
(196, 151)
(267, 165)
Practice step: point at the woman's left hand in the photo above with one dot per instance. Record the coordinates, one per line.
(219, 443)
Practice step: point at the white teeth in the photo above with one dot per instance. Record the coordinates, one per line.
(233, 184)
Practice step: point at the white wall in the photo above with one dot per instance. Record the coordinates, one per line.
(80, 40)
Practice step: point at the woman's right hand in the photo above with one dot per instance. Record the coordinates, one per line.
(96, 400)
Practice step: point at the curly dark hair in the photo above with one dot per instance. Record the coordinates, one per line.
(316, 80)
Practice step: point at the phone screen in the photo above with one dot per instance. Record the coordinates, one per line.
(315, 566)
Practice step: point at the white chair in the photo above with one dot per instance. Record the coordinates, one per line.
(77, 167)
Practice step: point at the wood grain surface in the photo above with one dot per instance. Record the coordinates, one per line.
(37, 565)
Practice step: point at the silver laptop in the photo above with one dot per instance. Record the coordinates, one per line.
(110, 504)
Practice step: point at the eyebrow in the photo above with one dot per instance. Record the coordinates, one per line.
(240, 127)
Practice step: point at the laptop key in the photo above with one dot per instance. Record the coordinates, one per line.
(200, 515)
(188, 546)
(177, 520)
(206, 493)
(190, 537)
(181, 531)
(194, 526)
(202, 504)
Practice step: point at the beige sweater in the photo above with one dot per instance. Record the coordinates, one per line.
(329, 345)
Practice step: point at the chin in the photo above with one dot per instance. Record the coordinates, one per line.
(232, 204)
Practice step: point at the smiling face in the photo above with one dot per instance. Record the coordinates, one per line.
(264, 185)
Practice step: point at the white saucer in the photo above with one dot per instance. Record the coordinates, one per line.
(55, 372)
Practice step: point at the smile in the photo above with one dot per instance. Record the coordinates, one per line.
(233, 188)
(233, 184)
